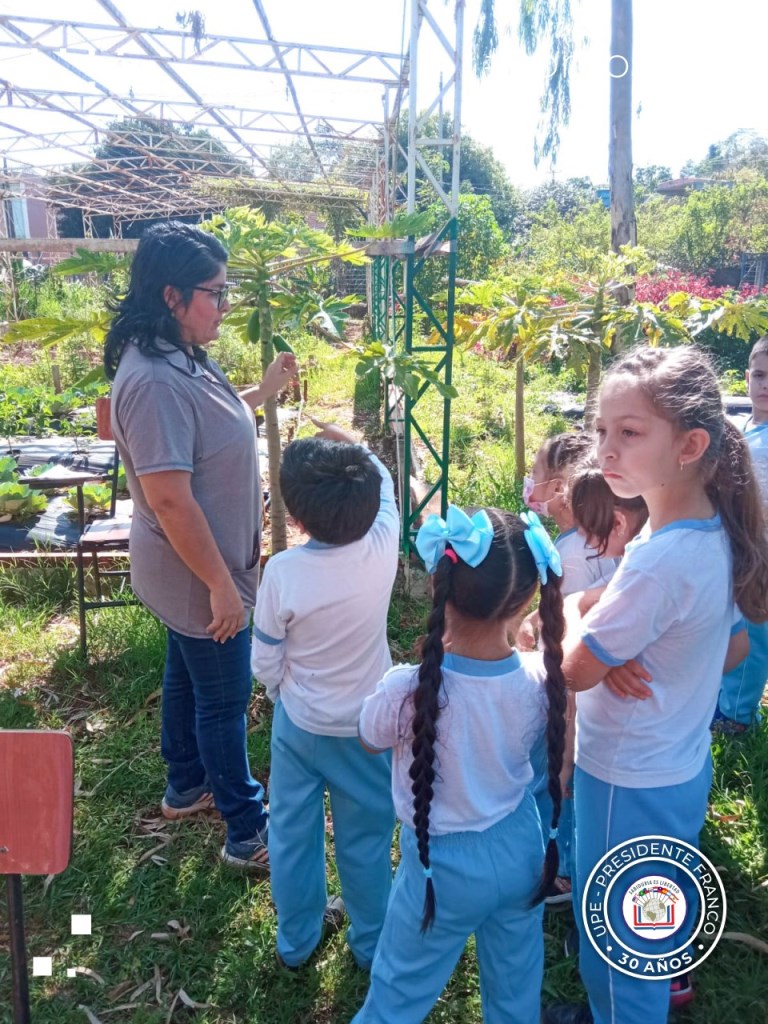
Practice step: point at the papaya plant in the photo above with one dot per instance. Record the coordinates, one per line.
(266, 258)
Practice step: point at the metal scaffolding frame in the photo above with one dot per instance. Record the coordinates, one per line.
(84, 111)
(155, 181)
(395, 296)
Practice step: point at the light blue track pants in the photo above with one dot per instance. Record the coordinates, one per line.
(304, 765)
(483, 884)
(742, 687)
(605, 816)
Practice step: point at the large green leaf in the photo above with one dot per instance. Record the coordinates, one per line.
(86, 262)
(51, 330)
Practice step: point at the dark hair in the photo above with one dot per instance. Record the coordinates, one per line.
(498, 588)
(332, 488)
(564, 450)
(593, 504)
(681, 386)
(760, 348)
(172, 253)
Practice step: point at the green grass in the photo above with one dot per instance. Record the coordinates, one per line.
(167, 916)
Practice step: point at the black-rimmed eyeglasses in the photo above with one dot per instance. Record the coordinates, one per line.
(220, 293)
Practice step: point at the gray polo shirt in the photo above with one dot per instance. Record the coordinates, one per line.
(167, 415)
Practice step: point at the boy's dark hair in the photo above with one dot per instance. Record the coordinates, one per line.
(332, 488)
(760, 348)
(497, 589)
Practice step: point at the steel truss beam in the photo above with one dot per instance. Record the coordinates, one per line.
(251, 133)
(173, 47)
(96, 111)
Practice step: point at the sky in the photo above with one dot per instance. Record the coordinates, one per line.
(698, 71)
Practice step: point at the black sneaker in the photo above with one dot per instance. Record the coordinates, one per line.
(566, 1013)
(333, 916)
(286, 967)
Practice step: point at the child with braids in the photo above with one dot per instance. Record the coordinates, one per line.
(643, 765)
(461, 726)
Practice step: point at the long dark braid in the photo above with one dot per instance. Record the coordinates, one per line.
(426, 707)
(552, 631)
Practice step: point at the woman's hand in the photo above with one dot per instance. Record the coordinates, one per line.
(282, 368)
(228, 612)
(276, 376)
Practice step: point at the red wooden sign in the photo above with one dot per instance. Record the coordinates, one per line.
(36, 797)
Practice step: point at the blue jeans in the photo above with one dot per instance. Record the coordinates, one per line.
(206, 689)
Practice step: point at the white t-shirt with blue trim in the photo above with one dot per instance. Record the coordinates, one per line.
(492, 714)
(670, 606)
(582, 568)
(320, 623)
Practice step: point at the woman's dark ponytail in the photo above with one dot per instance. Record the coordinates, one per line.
(426, 705)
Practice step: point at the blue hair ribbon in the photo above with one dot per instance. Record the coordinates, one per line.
(427, 872)
(470, 538)
(554, 833)
(544, 552)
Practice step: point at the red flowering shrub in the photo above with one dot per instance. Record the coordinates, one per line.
(657, 288)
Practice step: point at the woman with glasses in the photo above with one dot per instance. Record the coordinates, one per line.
(188, 443)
